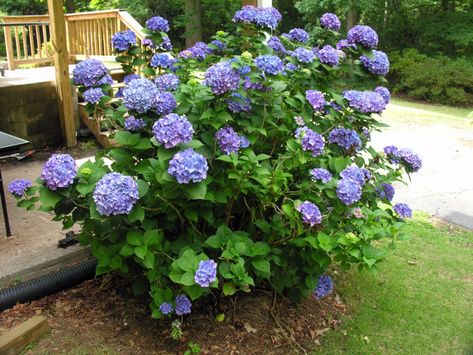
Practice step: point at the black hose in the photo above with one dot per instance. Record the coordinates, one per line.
(47, 284)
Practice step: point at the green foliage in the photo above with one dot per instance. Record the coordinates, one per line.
(436, 79)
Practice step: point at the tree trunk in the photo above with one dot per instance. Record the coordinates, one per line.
(70, 6)
(193, 16)
(249, 2)
(352, 15)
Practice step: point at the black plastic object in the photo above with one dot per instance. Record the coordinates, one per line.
(71, 239)
(47, 284)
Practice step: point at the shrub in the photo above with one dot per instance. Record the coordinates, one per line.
(254, 170)
(437, 79)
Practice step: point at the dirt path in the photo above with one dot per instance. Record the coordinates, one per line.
(444, 185)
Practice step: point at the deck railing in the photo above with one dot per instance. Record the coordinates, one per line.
(28, 40)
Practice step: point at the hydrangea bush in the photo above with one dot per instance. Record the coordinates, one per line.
(237, 164)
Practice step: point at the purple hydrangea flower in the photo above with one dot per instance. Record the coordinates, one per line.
(384, 92)
(297, 35)
(59, 171)
(218, 44)
(166, 308)
(134, 124)
(249, 85)
(328, 55)
(166, 45)
(167, 82)
(270, 64)
(123, 40)
(403, 210)
(199, 50)
(187, 166)
(148, 42)
(290, 67)
(365, 101)
(18, 187)
(409, 159)
(355, 173)
(345, 138)
(115, 194)
(316, 99)
(367, 174)
(386, 191)
(363, 35)
(365, 132)
(206, 273)
(324, 286)
(93, 95)
(311, 141)
(244, 142)
(238, 103)
(89, 72)
(183, 305)
(310, 213)
(276, 44)
(140, 95)
(342, 44)
(228, 140)
(163, 60)
(330, 21)
(391, 152)
(321, 174)
(221, 77)
(348, 191)
(105, 80)
(378, 65)
(261, 16)
(172, 130)
(157, 23)
(165, 103)
(185, 54)
(303, 55)
(127, 79)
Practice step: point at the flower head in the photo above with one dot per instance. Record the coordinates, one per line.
(403, 210)
(172, 130)
(157, 23)
(384, 92)
(311, 141)
(244, 142)
(163, 60)
(349, 191)
(261, 16)
(123, 40)
(18, 187)
(378, 65)
(115, 194)
(206, 273)
(321, 174)
(167, 82)
(345, 138)
(409, 159)
(127, 79)
(324, 286)
(187, 166)
(93, 95)
(228, 140)
(183, 305)
(219, 45)
(238, 103)
(386, 191)
(330, 21)
(199, 50)
(303, 55)
(166, 308)
(328, 55)
(316, 99)
(89, 72)
(363, 35)
(365, 101)
(297, 35)
(270, 64)
(59, 171)
(276, 44)
(165, 103)
(134, 124)
(221, 77)
(355, 173)
(140, 95)
(310, 213)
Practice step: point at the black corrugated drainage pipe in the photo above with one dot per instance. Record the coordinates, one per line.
(47, 284)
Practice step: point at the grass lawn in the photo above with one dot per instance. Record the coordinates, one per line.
(421, 302)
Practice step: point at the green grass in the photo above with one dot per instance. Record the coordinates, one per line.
(421, 301)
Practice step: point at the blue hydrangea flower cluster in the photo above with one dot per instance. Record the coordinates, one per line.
(140, 95)
(311, 141)
(391, 152)
(166, 45)
(163, 60)
(324, 287)
(378, 65)
(386, 191)
(330, 21)
(123, 40)
(238, 103)
(228, 140)
(297, 35)
(221, 78)
(199, 50)
(276, 44)
(349, 191)
(249, 85)
(303, 55)
(290, 67)
(93, 95)
(361, 176)
(206, 273)
(157, 23)
(187, 166)
(384, 92)
(316, 99)
(115, 194)
(345, 138)
(262, 16)
(148, 42)
(403, 210)
(89, 72)
(165, 103)
(270, 64)
(172, 130)
(219, 45)
(127, 79)
(328, 55)
(183, 305)
(166, 308)
(244, 142)
(321, 174)
(363, 35)
(18, 187)
(167, 82)
(59, 171)
(134, 124)
(365, 101)
(409, 159)
(310, 213)
(343, 44)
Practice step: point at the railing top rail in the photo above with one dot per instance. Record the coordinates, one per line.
(25, 18)
(11, 24)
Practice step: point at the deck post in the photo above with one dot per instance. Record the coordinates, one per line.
(259, 3)
(9, 47)
(61, 64)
